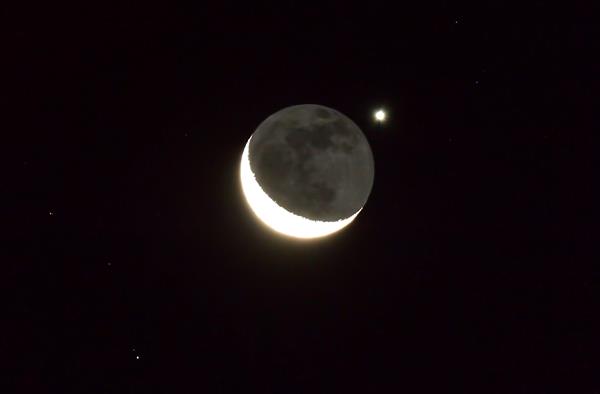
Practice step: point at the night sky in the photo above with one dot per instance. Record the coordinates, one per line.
(132, 264)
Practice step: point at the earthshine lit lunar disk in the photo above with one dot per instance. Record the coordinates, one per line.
(307, 171)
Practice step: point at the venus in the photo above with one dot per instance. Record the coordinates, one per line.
(307, 171)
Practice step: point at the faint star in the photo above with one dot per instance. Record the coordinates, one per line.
(50, 213)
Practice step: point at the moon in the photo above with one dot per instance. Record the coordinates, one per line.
(307, 171)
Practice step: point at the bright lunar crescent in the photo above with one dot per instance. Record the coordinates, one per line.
(307, 171)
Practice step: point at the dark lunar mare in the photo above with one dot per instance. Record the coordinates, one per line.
(313, 161)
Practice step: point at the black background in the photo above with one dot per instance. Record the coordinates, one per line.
(471, 268)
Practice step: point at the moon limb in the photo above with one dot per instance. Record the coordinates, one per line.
(278, 218)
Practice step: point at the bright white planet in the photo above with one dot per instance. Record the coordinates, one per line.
(380, 115)
(278, 218)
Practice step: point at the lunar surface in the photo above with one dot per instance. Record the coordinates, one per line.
(307, 171)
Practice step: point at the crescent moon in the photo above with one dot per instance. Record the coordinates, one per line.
(278, 218)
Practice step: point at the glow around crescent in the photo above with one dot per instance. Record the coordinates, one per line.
(278, 218)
